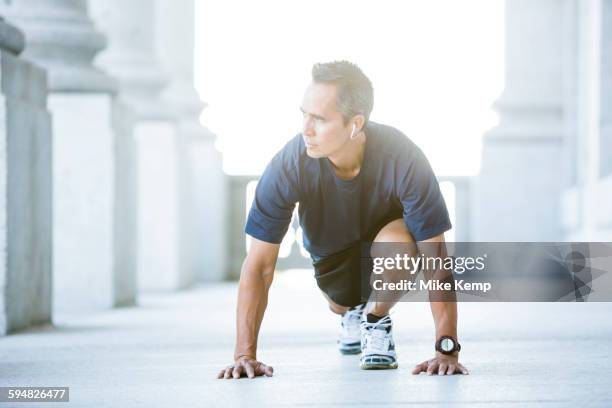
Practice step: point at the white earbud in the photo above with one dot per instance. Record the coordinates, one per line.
(353, 132)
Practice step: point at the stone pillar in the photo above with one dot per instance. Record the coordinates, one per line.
(587, 204)
(519, 186)
(62, 38)
(605, 159)
(132, 58)
(25, 188)
(202, 188)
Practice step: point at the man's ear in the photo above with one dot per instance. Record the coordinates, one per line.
(358, 121)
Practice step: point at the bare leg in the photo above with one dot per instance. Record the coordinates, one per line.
(395, 231)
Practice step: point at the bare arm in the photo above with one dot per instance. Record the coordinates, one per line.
(444, 314)
(255, 281)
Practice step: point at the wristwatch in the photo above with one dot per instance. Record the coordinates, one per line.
(447, 345)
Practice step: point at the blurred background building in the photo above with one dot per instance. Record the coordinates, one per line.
(110, 185)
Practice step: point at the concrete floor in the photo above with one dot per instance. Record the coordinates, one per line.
(167, 352)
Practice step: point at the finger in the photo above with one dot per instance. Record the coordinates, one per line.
(269, 370)
(228, 373)
(221, 373)
(250, 370)
(442, 369)
(237, 372)
(263, 369)
(462, 369)
(431, 368)
(419, 368)
(451, 369)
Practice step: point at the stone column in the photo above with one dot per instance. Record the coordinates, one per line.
(587, 204)
(202, 186)
(519, 186)
(62, 38)
(605, 159)
(132, 58)
(25, 188)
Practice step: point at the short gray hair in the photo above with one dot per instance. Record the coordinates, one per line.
(355, 92)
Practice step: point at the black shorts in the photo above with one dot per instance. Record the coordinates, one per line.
(345, 275)
(340, 276)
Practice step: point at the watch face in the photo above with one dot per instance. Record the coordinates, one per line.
(447, 344)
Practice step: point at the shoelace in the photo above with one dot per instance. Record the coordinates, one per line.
(378, 332)
(354, 314)
(377, 340)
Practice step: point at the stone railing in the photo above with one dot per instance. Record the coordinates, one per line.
(292, 255)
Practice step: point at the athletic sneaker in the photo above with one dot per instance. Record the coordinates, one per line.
(349, 341)
(377, 345)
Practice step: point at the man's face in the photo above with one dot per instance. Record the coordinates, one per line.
(323, 129)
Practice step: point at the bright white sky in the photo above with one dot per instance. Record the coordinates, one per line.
(436, 67)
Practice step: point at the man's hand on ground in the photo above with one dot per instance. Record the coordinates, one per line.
(441, 364)
(246, 366)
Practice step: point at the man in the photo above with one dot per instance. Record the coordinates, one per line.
(355, 181)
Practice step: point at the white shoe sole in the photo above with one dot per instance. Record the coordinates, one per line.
(347, 349)
(374, 362)
(378, 366)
